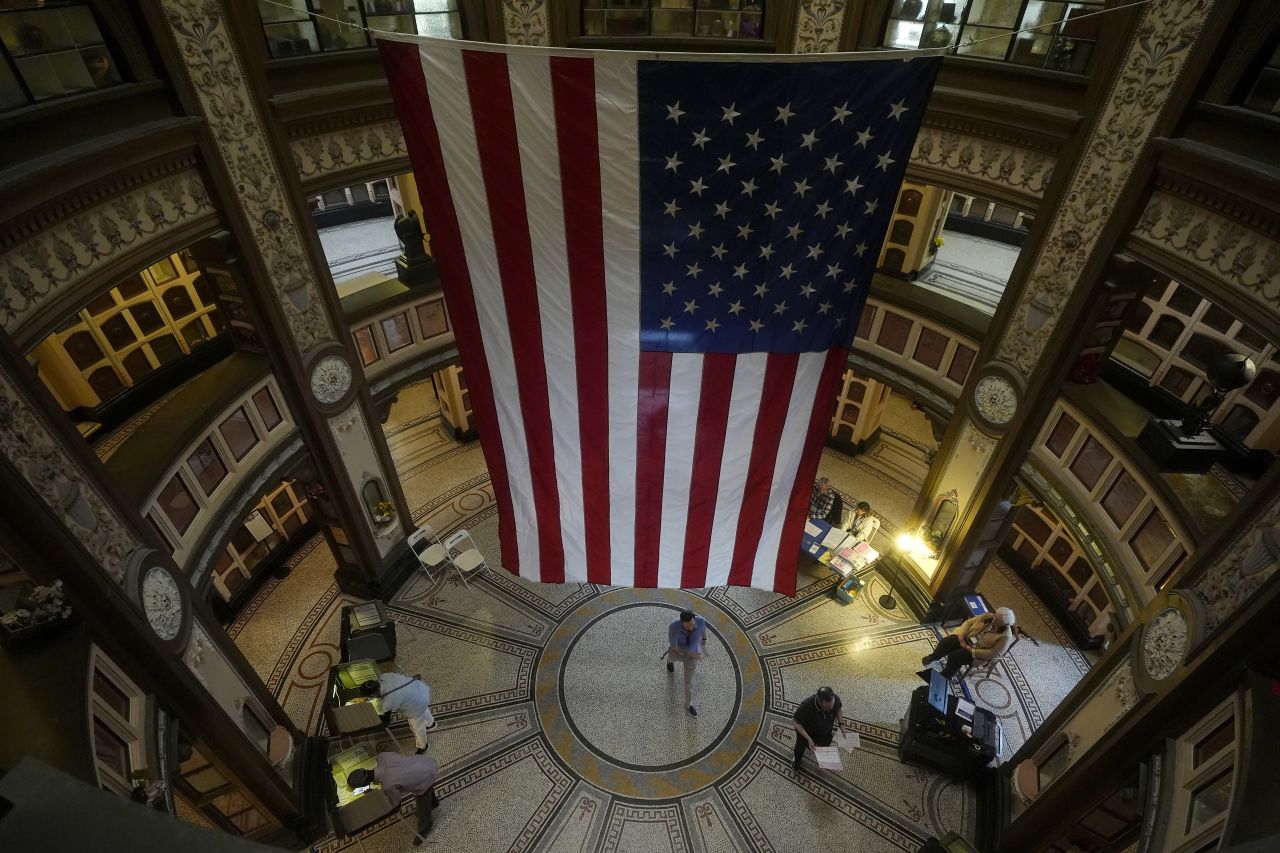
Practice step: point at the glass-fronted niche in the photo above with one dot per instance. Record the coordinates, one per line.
(291, 30)
(149, 320)
(1173, 335)
(275, 522)
(49, 49)
(1063, 38)
(673, 18)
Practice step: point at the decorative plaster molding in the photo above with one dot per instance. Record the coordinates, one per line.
(525, 22)
(162, 603)
(199, 28)
(1164, 643)
(978, 441)
(1153, 62)
(331, 379)
(38, 456)
(1248, 563)
(818, 26)
(995, 399)
(55, 258)
(335, 151)
(1221, 246)
(1120, 683)
(1020, 169)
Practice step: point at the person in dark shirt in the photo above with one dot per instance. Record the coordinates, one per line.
(404, 774)
(815, 721)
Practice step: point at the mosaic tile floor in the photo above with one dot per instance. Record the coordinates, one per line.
(560, 729)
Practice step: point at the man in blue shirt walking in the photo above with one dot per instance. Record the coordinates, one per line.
(685, 637)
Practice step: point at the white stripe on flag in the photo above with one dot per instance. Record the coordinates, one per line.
(790, 447)
(617, 112)
(682, 415)
(744, 408)
(447, 88)
(534, 102)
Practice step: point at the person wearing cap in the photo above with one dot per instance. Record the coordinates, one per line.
(815, 721)
(403, 774)
(685, 636)
(985, 637)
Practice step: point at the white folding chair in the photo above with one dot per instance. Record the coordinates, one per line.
(430, 551)
(466, 560)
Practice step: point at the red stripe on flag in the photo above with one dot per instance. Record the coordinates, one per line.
(573, 84)
(409, 91)
(708, 452)
(779, 378)
(784, 577)
(492, 112)
(652, 401)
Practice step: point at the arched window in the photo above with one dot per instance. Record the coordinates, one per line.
(702, 18)
(893, 260)
(901, 232)
(51, 52)
(909, 202)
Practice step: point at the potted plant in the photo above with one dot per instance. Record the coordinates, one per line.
(37, 610)
(384, 511)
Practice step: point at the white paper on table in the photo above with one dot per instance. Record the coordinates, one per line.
(828, 757)
(848, 740)
(812, 529)
(833, 538)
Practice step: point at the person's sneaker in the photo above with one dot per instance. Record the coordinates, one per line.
(795, 765)
(924, 661)
(671, 667)
(693, 710)
(434, 723)
(421, 749)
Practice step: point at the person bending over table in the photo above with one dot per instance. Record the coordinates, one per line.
(404, 774)
(815, 720)
(984, 637)
(411, 696)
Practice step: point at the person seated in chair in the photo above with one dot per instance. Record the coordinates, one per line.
(985, 638)
(863, 525)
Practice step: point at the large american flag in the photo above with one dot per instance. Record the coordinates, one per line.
(655, 267)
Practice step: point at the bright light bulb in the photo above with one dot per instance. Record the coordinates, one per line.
(905, 542)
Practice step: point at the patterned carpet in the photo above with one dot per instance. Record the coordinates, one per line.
(560, 728)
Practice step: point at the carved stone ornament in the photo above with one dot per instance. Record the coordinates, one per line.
(330, 379)
(953, 152)
(328, 154)
(1153, 61)
(995, 399)
(162, 602)
(1233, 581)
(39, 457)
(1164, 643)
(200, 31)
(818, 26)
(1245, 256)
(525, 22)
(978, 441)
(53, 258)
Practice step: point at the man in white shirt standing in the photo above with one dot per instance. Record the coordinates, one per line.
(411, 697)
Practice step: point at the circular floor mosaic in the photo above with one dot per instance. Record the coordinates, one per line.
(618, 717)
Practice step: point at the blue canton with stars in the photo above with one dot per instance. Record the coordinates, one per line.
(766, 190)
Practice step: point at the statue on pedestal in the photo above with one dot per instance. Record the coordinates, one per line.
(414, 266)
